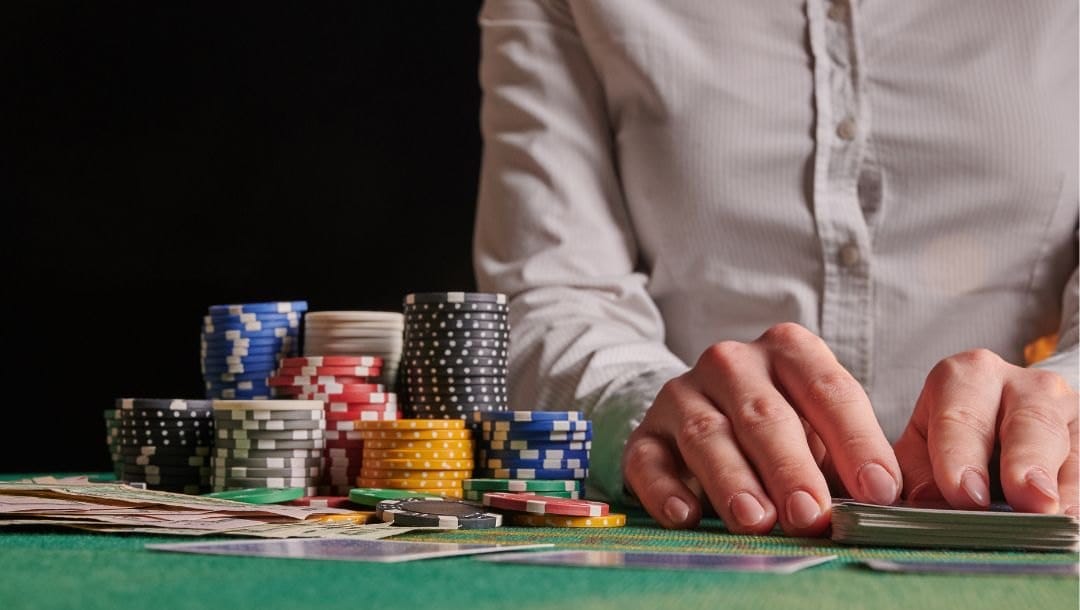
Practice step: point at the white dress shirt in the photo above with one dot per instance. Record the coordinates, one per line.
(659, 175)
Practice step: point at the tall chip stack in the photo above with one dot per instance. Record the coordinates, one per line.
(268, 444)
(165, 443)
(351, 391)
(542, 452)
(421, 455)
(112, 440)
(357, 333)
(455, 356)
(242, 344)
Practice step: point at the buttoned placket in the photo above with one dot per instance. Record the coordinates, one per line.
(843, 124)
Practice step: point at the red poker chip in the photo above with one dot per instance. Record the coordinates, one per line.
(305, 371)
(301, 361)
(333, 388)
(323, 502)
(302, 380)
(364, 413)
(545, 505)
(343, 444)
(372, 398)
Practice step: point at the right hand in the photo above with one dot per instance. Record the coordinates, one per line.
(754, 423)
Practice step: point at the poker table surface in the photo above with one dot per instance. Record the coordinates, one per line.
(56, 568)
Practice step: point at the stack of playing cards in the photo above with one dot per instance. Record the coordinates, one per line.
(910, 526)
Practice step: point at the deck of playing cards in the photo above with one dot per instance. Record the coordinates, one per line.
(932, 527)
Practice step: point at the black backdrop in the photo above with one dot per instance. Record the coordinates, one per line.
(158, 158)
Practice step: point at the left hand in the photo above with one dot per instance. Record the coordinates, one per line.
(970, 402)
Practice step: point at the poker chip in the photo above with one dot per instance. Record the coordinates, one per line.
(259, 495)
(540, 426)
(259, 482)
(162, 443)
(232, 471)
(368, 398)
(367, 496)
(272, 307)
(295, 435)
(536, 444)
(414, 424)
(249, 454)
(531, 520)
(270, 424)
(181, 472)
(154, 460)
(449, 298)
(266, 405)
(267, 444)
(448, 475)
(241, 344)
(417, 464)
(163, 404)
(417, 454)
(420, 444)
(271, 462)
(533, 455)
(478, 496)
(509, 485)
(532, 473)
(198, 450)
(498, 464)
(414, 434)
(317, 371)
(445, 514)
(545, 505)
(530, 435)
(323, 502)
(410, 483)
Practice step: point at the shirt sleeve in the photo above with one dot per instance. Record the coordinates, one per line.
(1065, 360)
(553, 233)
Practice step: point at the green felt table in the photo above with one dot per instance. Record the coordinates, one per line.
(69, 569)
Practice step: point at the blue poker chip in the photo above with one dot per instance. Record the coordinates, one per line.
(244, 318)
(252, 360)
(249, 386)
(237, 395)
(495, 463)
(247, 341)
(538, 426)
(258, 350)
(529, 416)
(212, 327)
(529, 435)
(267, 307)
(533, 454)
(262, 376)
(535, 444)
(561, 474)
(281, 332)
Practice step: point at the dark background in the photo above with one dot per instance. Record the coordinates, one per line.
(159, 158)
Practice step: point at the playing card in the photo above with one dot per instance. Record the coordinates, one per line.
(664, 561)
(970, 567)
(343, 549)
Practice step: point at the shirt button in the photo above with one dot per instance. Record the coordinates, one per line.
(849, 255)
(837, 11)
(846, 129)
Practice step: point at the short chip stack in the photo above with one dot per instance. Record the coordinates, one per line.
(545, 452)
(268, 443)
(165, 443)
(357, 333)
(423, 455)
(242, 344)
(350, 390)
(112, 440)
(455, 357)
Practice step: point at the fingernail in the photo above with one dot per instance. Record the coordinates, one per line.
(974, 485)
(676, 510)
(747, 510)
(878, 486)
(1037, 478)
(802, 509)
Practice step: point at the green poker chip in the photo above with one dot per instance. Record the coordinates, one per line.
(515, 485)
(259, 495)
(370, 496)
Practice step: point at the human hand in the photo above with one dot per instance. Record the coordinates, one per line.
(970, 402)
(733, 423)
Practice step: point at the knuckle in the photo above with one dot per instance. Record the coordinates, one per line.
(1046, 420)
(757, 412)
(786, 333)
(724, 357)
(972, 361)
(1047, 382)
(701, 429)
(830, 390)
(638, 456)
(965, 417)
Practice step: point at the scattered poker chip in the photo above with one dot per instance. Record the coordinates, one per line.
(498, 464)
(446, 475)
(417, 454)
(562, 474)
(356, 517)
(533, 455)
(415, 434)
(414, 424)
(266, 405)
(531, 520)
(545, 505)
(407, 464)
(538, 486)
(285, 435)
(478, 496)
(270, 424)
(259, 308)
(414, 484)
(260, 495)
(445, 514)
(541, 426)
(417, 298)
(420, 444)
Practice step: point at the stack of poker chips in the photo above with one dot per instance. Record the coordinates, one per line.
(455, 356)
(268, 443)
(242, 344)
(165, 443)
(357, 333)
(531, 451)
(421, 455)
(349, 389)
(112, 440)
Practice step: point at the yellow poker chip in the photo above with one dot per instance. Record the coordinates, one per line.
(531, 520)
(417, 454)
(371, 462)
(411, 483)
(419, 444)
(410, 435)
(412, 424)
(360, 517)
(454, 475)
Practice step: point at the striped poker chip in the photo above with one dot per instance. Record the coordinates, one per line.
(531, 520)
(266, 405)
(229, 471)
(323, 502)
(163, 404)
(511, 485)
(417, 454)
(529, 416)
(543, 505)
(538, 426)
(268, 444)
(259, 308)
(267, 462)
(440, 298)
(530, 435)
(244, 453)
(495, 464)
(270, 424)
(560, 474)
(537, 444)
(283, 435)
(266, 415)
(533, 455)
(333, 361)
(445, 514)
(417, 464)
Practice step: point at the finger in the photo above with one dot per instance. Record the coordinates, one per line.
(914, 458)
(961, 398)
(1069, 476)
(1034, 438)
(838, 409)
(653, 474)
(769, 433)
